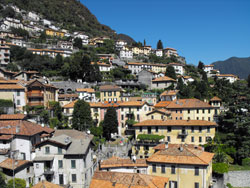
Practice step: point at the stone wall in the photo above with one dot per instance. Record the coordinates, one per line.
(237, 178)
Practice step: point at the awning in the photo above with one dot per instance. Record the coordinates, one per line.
(43, 158)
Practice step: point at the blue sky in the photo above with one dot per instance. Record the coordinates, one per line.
(206, 30)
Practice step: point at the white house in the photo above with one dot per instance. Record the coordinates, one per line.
(159, 52)
(85, 38)
(33, 16)
(126, 54)
(65, 45)
(230, 77)
(179, 68)
(116, 164)
(169, 95)
(46, 22)
(65, 159)
(119, 44)
(87, 94)
(168, 52)
(208, 68)
(4, 55)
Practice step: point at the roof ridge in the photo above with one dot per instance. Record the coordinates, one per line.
(196, 155)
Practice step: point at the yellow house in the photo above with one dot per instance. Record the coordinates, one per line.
(196, 132)
(110, 93)
(185, 166)
(54, 33)
(188, 109)
(158, 114)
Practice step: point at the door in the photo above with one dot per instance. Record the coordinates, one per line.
(61, 179)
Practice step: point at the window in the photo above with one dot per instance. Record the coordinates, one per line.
(203, 111)
(145, 108)
(61, 182)
(140, 129)
(196, 185)
(152, 117)
(154, 167)
(209, 111)
(138, 109)
(192, 139)
(200, 139)
(37, 165)
(208, 129)
(162, 117)
(192, 129)
(200, 129)
(169, 129)
(104, 93)
(209, 119)
(176, 118)
(188, 111)
(73, 163)
(109, 93)
(122, 109)
(28, 170)
(172, 169)
(169, 139)
(196, 171)
(183, 139)
(197, 118)
(115, 93)
(176, 111)
(122, 117)
(60, 164)
(149, 130)
(59, 150)
(180, 118)
(18, 93)
(188, 118)
(163, 171)
(156, 129)
(18, 102)
(197, 111)
(181, 111)
(47, 151)
(73, 177)
(203, 118)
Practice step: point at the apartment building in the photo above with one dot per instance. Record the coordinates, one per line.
(168, 52)
(65, 159)
(169, 95)
(103, 67)
(4, 55)
(110, 93)
(179, 68)
(54, 33)
(230, 77)
(188, 109)
(184, 165)
(39, 94)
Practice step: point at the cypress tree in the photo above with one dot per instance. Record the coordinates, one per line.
(159, 45)
(110, 123)
(170, 72)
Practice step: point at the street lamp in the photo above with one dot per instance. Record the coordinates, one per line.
(12, 153)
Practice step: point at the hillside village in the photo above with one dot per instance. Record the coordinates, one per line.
(82, 111)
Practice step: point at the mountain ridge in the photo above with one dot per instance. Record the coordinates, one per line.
(239, 66)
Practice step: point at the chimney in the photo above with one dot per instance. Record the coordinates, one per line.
(166, 145)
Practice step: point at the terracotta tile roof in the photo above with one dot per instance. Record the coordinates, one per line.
(46, 184)
(110, 88)
(186, 155)
(26, 128)
(107, 104)
(161, 111)
(226, 75)
(188, 103)
(153, 122)
(170, 49)
(11, 86)
(215, 99)
(127, 180)
(73, 95)
(12, 117)
(164, 79)
(169, 93)
(163, 146)
(132, 103)
(101, 64)
(134, 98)
(70, 105)
(6, 137)
(162, 104)
(8, 163)
(176, 64)
(88, 90)
(209, 65)
(9, 81)
(114, 162)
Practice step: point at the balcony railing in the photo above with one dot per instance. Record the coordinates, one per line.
(183, 133)
(31, 94)
(48, 171)
(35, 104)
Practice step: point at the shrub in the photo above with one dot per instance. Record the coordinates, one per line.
(6, 103)
(246, 162)
(150, 137)
(220, 168)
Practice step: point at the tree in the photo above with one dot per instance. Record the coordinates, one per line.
(56, 109)
(170, 72)
(58, 62)
(2, 180)
(159, 45)
(248, 81)
(44, 115)
(9, 12)
(82, 119)
(144, 42)
(19, 183)
(110, 123)
(77, 43)
(200, 65)
(180, 84)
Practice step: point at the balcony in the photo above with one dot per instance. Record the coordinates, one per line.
(35, 95)
(35, 103)
(183, 133)
(48, 171)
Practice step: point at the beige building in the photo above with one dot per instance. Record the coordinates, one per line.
(168, 52)
(162, 82)
(196, 132)
(185, 165)
(110, 93)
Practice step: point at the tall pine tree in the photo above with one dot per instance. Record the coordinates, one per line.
(110, 123)
(82, 119)
(159, 45)
(170, 72)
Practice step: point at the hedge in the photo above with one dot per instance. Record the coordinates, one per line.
(150, 137)
(220, 168)
(6, 103)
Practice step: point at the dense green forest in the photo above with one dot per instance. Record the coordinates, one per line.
(68, 14)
